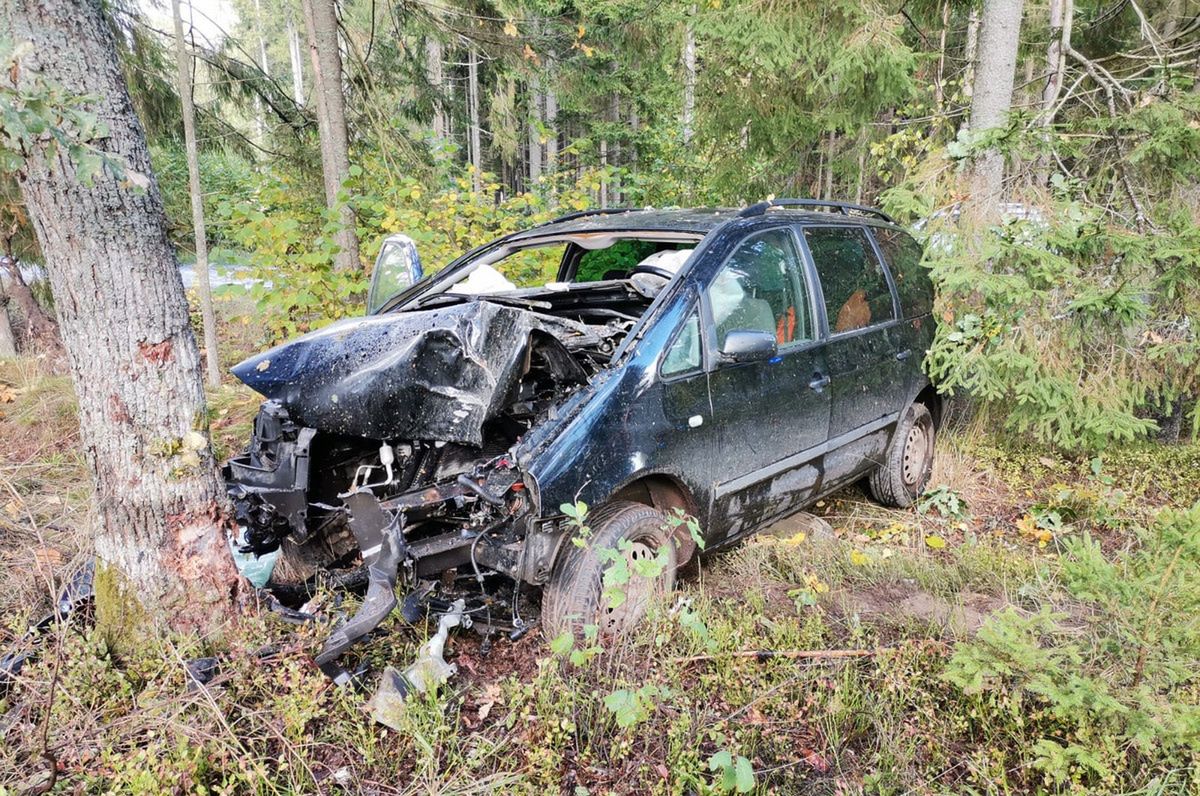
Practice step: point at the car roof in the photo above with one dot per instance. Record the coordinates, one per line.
(699, 221)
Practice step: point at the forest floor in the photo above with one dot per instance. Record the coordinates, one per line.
(893, 651)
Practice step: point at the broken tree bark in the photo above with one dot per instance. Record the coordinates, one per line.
(161, 509)
(203, 289)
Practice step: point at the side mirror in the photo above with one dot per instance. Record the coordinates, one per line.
(745, 345)
(397, 268)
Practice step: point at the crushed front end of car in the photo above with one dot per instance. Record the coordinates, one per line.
(383, 454)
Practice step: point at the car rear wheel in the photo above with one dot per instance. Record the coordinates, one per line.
(575, 595)
(906, 467)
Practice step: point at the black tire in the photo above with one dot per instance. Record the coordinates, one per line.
(908, 463)
(573, 598)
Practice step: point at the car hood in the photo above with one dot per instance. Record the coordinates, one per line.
(435, 374)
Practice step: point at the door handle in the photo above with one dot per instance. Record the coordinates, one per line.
(819, 382)
(903, 355)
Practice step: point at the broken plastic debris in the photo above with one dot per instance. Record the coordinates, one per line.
(427, 672)
(256, 569)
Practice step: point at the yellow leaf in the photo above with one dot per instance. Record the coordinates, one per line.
(935, 542)
(858, 558)
(579, 31)
(510, 28)
(798, 538)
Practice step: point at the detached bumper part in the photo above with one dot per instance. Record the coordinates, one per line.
(426, 673)
(381, 541)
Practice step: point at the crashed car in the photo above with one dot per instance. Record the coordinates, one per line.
(731, 365)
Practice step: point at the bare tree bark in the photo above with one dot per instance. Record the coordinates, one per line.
(999, 39)
(203, 289)
(297, 62)
(320, 18)
(473, 109)
(161, 510)
(688, 119)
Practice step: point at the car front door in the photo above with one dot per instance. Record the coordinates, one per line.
(771, 415)
(865, 375)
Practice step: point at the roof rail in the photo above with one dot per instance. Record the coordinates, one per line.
(599, 211)
(845, 208)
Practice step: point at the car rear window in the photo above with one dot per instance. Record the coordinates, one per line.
(855, 285)
(903, 255)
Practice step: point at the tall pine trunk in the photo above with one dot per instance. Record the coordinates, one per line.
(203, 289)
(161, 511)
(999, 38)
(320, 18)
(435, 74)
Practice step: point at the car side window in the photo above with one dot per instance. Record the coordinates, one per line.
(760, 289)
(855, 285)
(683, 355)
(903, 255)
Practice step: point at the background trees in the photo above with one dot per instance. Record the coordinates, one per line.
(464, 119)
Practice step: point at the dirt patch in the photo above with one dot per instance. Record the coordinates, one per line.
(904, 603)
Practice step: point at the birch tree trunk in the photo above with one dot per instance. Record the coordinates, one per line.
(297, 62)
(320, 18)
(203, 289)
(161, 511)
(999, 38)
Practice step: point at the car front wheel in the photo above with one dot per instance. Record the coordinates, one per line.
(625, 537)
(908, 463)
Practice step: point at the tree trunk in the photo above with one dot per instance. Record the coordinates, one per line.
(473, 109)
(161, 511)
(999, 38)
(689, 78)
(551, 125)
(40, 329)
(437, 81)
(184, 74)
(535, 130)
(970, 50)
(320, 18)
(8, 343)
(1062, 13)
(297, 62)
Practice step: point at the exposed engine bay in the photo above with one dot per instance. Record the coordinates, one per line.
(384, 446)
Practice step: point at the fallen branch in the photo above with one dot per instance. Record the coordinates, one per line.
(762, 655)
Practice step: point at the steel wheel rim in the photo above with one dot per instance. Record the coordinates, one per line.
(916, 447)
(638, 591)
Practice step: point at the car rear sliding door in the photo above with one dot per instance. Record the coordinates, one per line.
(868, 383)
